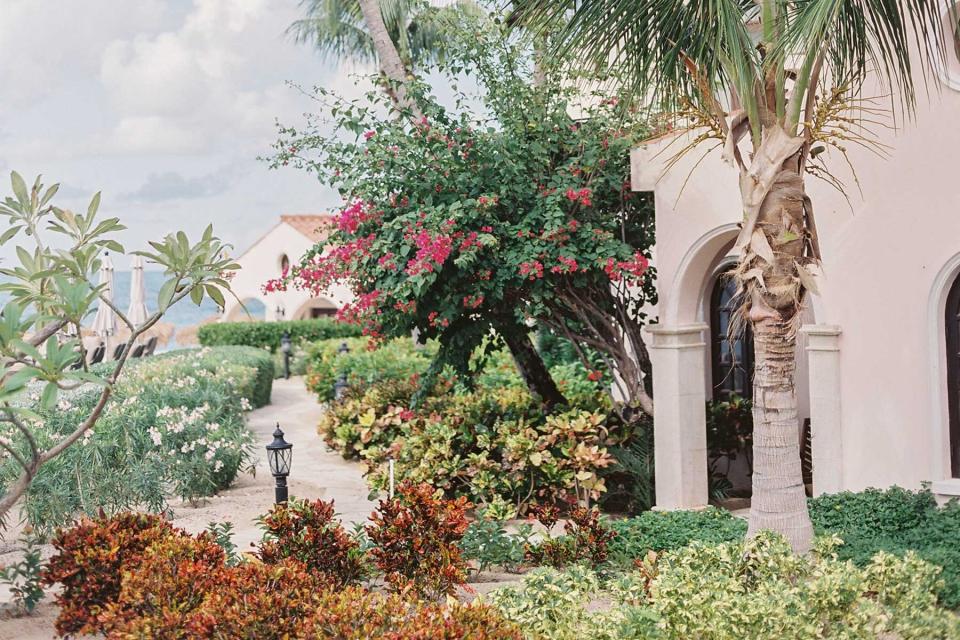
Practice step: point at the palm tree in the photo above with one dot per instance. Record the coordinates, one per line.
(773, 82)
(340, 29)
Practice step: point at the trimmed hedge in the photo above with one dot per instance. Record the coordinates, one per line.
(266, 335)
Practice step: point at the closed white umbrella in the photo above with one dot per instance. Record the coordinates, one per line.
(137, 312)
(105, 322)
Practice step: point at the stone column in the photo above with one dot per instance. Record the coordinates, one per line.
(679, 421)
(826, 434)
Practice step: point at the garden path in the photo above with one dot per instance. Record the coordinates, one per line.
(315, 473)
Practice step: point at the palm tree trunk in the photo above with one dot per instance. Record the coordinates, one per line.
(394, 72)
(778, 243)
(779, 501)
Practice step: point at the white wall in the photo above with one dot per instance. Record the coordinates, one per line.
(889, 257)
(261, 262)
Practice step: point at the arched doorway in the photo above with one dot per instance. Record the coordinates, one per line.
(952, 327)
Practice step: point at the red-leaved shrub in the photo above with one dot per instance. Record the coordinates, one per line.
(357, 614)
(586, 540)
(159, 593)
(416, 538)
(309, 533)
(88, 562)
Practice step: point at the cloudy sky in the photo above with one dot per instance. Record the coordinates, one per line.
(164, 105)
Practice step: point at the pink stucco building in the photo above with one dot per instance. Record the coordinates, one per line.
(879, 373)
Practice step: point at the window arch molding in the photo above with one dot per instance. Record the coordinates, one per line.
(939, 430)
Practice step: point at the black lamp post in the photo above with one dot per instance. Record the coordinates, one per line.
(279, 455)
(285, 348)
(340, 386)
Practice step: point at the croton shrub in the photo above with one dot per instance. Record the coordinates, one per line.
(136, 576)
(490, 445)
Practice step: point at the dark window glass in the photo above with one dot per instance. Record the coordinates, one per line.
(732, 361)
(953, 373)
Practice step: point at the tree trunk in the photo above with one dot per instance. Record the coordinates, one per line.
(394, 72)
(532, 368)
(779, 501)
(778, 244)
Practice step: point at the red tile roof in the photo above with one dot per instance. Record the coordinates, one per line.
(308, 225)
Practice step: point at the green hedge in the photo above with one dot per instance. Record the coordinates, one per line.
(895, 520)
(266, 335)
(396, 359)
(669, 530)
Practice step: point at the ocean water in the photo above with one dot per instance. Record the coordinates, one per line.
(183, 314)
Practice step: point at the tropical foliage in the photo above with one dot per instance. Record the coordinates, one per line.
(776, 86)
(49, 294)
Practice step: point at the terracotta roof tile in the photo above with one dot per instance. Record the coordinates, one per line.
(308, 225)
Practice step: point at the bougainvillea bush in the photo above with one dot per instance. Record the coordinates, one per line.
(174, 427)
(470, 220)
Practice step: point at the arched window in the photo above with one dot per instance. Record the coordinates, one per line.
(952, 325)
(732, 361)
(284, 264)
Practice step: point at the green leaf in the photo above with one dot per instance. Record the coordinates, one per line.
(19, 188)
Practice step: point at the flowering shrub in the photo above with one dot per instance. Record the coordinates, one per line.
(467, 221)
(88, 562)
(309, 533)
(174, 427)
(416, 540)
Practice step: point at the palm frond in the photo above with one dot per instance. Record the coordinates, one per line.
(663, 50)
(901, 41)
(335, 28)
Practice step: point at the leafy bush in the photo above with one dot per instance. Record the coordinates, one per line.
(488, 444)
(134, 576)
(267, 335)
(362, 367)
(309, 533)
(729, 591)
(552, 604)
(24, 578)
(88, 562)
(895, 521)
(586, 539)
(169, 581)
(669, 530)
(759, 589)
(488, 543)
(175, 427)
(416, 540)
